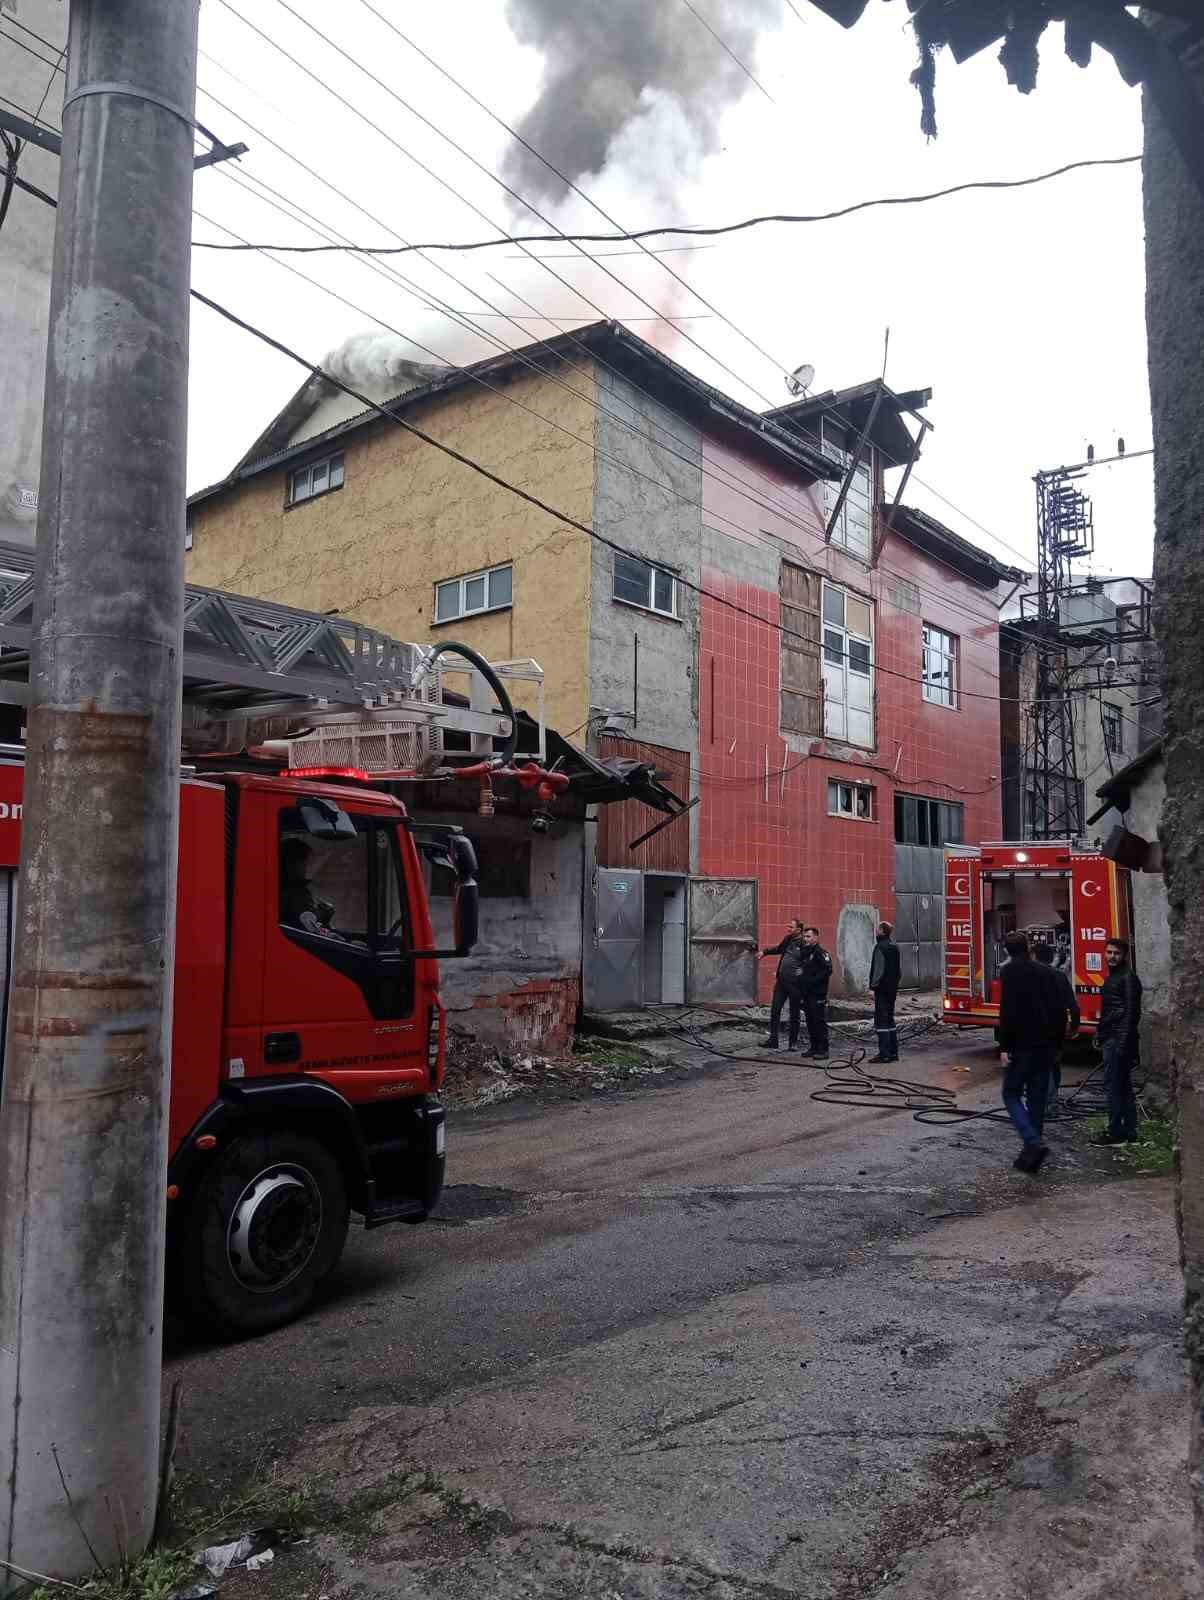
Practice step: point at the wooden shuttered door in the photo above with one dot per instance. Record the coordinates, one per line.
(667, 851)
(802, 681)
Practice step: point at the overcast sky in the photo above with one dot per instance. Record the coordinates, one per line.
(1022, 310)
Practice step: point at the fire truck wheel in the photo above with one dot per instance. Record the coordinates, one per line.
(268, 1224)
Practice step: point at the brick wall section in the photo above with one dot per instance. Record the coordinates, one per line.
(537, 1018)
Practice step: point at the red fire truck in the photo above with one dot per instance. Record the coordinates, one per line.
(307, 1035)
(1057, 891)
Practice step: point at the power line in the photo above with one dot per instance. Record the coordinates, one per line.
(590, 444)
(15, 22)
(518, 198)
(638, 234)
(531, 499)
(760, 498)
(730, 479)
(29, 50)
(697, 505)
(576, 189)
(723, 45)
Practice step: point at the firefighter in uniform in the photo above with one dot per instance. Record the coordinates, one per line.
(816, 975)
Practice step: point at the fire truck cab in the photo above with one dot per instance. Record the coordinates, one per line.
(1059, 892)
(307, 1032)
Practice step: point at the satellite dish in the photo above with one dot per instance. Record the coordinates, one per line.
(801, 379)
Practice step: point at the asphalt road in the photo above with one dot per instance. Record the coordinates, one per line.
(714, 1337)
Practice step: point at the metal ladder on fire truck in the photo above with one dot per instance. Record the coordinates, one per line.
(334, 692)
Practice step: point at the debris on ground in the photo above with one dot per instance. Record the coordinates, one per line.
(253, 1550)
(481, 1074)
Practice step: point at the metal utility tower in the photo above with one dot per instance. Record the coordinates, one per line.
(1065, 533)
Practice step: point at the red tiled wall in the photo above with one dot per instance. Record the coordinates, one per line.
(809, 864)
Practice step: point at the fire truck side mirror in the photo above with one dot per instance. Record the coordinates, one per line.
(325, 821)
(467, 915)
(452, 849)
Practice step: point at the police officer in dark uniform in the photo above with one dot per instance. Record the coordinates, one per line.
(816, 975)
(885, 967)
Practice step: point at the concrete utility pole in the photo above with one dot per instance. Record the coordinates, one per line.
(83, 1118)
(1174, 223)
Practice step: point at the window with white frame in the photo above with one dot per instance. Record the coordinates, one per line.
(639, 583)
(319, 477)
(939, 667)
(854, 800)
(848, 667)
(491, 590)
(854, 526)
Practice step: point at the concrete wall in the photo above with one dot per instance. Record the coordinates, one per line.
(647, 495)
(521, 986)
(408, 517)
(26, 254)
(1151, 930)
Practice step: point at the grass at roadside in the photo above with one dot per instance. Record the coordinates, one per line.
(195, 1522)
(1153, 1151)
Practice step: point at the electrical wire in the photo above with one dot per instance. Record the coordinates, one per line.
(635, 236)
(523, 494)
(519, 199)
(632, 236)
(723, 45)
(729, 478)
(466, 321)
(29, 50)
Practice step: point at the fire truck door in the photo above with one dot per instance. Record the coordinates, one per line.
(338, 987)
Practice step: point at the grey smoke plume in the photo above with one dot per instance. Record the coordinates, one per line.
(629, 84)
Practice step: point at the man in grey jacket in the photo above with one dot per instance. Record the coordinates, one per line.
(788, 989)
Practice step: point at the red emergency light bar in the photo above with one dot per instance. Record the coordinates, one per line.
(356, 773)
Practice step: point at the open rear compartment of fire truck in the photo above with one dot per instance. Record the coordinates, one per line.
(1034, 901)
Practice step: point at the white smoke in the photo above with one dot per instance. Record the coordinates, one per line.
(380, 365)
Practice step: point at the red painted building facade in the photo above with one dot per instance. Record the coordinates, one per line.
(842, 684)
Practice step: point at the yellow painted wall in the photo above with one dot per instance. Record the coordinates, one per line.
(408, 516)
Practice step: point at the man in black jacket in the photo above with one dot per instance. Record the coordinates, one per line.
(816, 975)
(788, 988)
(1044, 953)
(884, 983)
(1032, 1023)
(1119, 1021)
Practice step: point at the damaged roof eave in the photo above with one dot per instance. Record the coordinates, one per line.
(853, 406)
(768, 434)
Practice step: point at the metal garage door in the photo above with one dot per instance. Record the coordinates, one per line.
(723, 940)
(919, 914)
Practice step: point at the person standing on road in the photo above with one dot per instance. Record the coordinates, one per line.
(1044, 953)
(788, 987)
(885, 967)
(1119, 1021)
(1032, 1023)
(817, 974)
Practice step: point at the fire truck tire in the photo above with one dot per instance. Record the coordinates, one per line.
(268, 1223)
